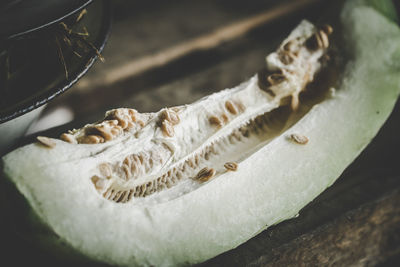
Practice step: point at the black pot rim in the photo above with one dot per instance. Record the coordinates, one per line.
(29, 29)
(50, 94)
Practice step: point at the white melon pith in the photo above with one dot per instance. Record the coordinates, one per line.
(187, 183)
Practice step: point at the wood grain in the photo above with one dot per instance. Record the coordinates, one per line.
(367, 236)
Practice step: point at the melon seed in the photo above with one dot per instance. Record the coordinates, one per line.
(46, 141)
(205, 174)
(231, 166)
(105, 169)
(167, 128)
(230, 107)
(69, 138)
(299, 139)
(215, 121)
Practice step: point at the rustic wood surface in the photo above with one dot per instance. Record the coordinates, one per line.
(353, 223)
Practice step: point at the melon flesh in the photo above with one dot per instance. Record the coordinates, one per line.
(271, 184)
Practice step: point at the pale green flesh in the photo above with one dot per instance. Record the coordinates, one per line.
(272, 185)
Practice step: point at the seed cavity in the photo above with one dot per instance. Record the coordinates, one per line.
(299, 139)
(136, 165)
(164, 162)
(205, 174)
(231, 166)
(46, 141)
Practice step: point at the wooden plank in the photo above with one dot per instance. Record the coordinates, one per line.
(367, 236)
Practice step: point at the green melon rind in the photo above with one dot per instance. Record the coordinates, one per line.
(270, 186)
(386, 7)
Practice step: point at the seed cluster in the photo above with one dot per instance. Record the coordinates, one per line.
(115, 123)
(132, 169)
(100, 133)
(233, 108)
(168, 119)
(289, 54)
(136, 165)
(118, 194)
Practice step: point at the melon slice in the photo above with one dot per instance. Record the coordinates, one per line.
(187, 183)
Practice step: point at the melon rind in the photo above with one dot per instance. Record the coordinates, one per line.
(270, 186)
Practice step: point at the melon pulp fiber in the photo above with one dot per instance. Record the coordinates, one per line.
(272, 183)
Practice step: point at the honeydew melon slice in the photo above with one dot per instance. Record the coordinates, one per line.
(272, 183)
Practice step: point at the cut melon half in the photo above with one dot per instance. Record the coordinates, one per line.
(187, 183)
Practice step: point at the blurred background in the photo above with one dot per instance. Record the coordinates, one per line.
(164, 53)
